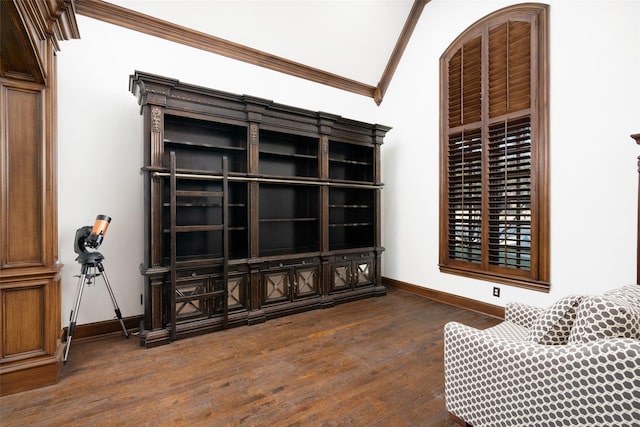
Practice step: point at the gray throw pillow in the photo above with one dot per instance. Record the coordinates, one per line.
(553, 326)
(605, 317)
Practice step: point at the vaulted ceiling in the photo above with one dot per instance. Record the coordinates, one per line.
(293, 40)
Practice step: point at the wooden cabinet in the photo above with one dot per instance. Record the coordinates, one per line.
(30, 318)
(351, 272)
(282, 283)
(302, 218)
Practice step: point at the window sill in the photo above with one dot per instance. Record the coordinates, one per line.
(519, 282)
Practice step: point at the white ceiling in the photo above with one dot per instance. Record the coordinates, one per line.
(350, 38)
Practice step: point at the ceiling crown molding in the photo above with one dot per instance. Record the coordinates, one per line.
(127, 18)
(398, 50)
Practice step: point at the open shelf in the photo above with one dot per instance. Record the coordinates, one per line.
(351, 218)
(202, 245)
(288, 155)
(200, 144)
(199, 220)
(350, 162)
(288, 219)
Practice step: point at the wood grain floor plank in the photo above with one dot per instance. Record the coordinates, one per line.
(374, 362)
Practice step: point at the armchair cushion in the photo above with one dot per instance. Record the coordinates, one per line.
(553, 325)
(507, 330)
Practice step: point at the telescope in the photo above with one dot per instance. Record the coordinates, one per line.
(88, 237)
(91, 237)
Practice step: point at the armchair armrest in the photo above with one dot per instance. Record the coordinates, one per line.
(494, 381)
(521, 314)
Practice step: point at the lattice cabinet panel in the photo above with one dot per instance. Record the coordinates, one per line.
(351, 271)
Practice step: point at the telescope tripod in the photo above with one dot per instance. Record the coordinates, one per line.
(90, 261)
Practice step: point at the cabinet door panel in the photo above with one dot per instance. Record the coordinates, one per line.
(22, 196)
(189, 301)
(307, 282)
(276, 286)
(237, 288)
(364, 272)
(24, 318)
(340, 276)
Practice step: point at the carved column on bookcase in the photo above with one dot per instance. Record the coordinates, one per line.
(328, 300)
(323, 158)
(255, 107)
(379, 133)
(324, 192)
(252, 152)
(378, 137)
(380, 290)
(156, 285)
(636, 136)
(325, 127)
(156, 147)
(254, 293)
(324, 218)
(153, 270)
(254, 244)
(326, 122)
(156, 121)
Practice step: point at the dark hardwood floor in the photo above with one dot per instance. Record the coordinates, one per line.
(374, 362)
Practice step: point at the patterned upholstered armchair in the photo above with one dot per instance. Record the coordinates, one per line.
(574, 363)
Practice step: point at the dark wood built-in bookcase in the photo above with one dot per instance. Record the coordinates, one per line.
(299, 227)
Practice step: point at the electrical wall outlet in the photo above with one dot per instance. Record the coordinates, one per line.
(496, 291)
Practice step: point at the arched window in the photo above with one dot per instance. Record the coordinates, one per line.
(494, 189)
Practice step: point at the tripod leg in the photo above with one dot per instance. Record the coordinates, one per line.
(74, 312)
(113, 298)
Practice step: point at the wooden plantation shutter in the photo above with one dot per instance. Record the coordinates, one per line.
(465, 149)
(510, 194)
(465, 84)
(494, 196)
(510, 145)
(509, 68)
(465, 196)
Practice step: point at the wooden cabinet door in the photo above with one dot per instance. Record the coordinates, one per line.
(237, 292)
(307, 282)
(200, 296)
(289, 284)
(189, 301)
(341, 276)
(276, 286)
(363, 272)
(352, 272)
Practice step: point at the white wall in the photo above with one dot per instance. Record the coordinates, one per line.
(100, 141)
(593, 90)
(594, 108)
